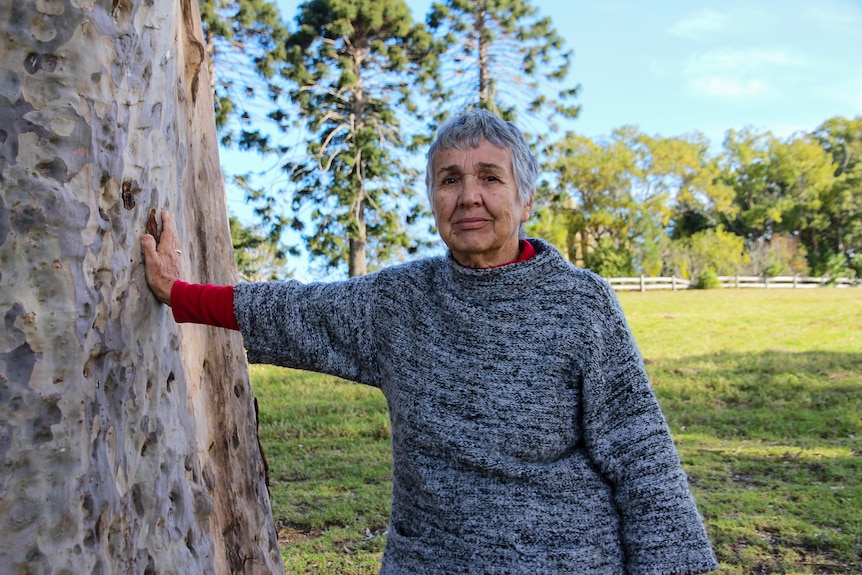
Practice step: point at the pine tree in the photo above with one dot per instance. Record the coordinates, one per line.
(504, 57)
(353, 68)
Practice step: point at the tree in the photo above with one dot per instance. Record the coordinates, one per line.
(806, 175)
(503, 57)
(682, 179)
(780, 256)
(353, 67)
(758, 197)
(127, 443)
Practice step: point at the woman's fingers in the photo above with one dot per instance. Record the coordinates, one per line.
(162, 258)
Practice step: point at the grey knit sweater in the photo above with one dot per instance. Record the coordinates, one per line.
(525, 435)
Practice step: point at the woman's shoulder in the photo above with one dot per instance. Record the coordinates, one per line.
(571, 275)
(415, 270)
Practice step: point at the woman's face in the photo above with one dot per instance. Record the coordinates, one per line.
(476, 205)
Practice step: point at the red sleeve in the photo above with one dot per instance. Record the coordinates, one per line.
(207, 304)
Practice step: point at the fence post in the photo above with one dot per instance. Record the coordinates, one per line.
(673, 282)
(795, 280)
(736, 281)
(643, 284)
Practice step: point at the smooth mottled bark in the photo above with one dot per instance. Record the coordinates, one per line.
(127, 443)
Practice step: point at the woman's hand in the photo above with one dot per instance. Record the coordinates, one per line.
(162, 258)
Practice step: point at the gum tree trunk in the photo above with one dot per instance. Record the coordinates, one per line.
(127, 444)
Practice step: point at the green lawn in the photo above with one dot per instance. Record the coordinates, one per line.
(762, 389)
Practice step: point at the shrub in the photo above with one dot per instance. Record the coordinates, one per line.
(708, 279)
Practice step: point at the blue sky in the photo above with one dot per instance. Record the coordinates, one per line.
(672, 67)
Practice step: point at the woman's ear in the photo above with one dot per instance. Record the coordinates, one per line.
(527, 208)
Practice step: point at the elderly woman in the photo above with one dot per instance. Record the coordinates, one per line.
(525, 435)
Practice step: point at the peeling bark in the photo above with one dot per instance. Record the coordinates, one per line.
(127, 443)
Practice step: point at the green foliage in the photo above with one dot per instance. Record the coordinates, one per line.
(761, 389)
(855, 264)
(779, 256)
(592, 197)
(781, 188)
(795, 205)
(552, 223)
(842, 204)
(835, 266)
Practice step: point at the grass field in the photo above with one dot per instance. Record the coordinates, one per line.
(762, 390)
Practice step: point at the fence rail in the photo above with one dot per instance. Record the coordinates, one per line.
(644, 283)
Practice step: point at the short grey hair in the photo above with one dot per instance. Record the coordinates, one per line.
(467, 130)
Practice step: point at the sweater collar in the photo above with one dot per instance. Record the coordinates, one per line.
(513, 280)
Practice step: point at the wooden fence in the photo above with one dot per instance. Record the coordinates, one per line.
(644, 283)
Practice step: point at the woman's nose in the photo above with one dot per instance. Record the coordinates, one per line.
(471, 194)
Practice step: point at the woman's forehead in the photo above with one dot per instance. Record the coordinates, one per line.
(484, 155)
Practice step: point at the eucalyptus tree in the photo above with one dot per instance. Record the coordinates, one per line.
(503, 56)
(127, 442)
(353, 69)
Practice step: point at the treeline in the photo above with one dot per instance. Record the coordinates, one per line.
(637, 204)
(346, 97)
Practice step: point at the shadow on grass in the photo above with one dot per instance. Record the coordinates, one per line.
(771, 508)
(773, 395)
(772, 442)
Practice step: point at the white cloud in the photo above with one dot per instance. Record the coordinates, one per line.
(692, 27)
(737, 73)
(718, 86)
(734, 60)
